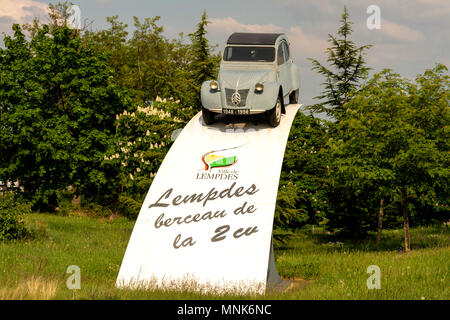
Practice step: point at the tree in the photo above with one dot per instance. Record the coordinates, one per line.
(58, 107)
(388, 146)
(112, 41)
(12, 211)
(204, 63)
(302, 195)
(348, 68)
(429, 98)
(59, 15)
(148, 64)
(148, 55)
(182, 84)
(143, 138)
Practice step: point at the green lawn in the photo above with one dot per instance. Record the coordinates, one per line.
(35, 268)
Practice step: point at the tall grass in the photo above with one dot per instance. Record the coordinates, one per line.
(35, 268)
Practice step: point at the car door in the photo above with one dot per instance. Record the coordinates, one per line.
(289, 67)
(283, 73)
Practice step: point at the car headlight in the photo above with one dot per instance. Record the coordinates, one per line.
(213, 85)
(259, 87)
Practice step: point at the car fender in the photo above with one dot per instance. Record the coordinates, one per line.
(210, 98)
(268, 98)
(295, 77)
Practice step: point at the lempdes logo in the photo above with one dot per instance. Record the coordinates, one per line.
(217, 165)
(214, 160)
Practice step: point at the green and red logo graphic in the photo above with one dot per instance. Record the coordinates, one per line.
(219, 158)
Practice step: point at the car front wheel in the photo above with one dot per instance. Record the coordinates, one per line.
(208, 116)
(274, 116)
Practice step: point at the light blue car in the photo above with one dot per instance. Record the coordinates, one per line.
(256, 74)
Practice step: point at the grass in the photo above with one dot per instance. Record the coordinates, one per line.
(35, 268)
(339, 268)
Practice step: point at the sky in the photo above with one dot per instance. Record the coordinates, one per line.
(413, 35)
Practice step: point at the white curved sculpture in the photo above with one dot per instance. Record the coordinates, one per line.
(206, 222)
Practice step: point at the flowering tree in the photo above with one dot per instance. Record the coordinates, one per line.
(143, 137)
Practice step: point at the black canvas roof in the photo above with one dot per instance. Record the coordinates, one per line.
(253, 38)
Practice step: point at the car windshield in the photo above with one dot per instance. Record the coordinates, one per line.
(256, 54)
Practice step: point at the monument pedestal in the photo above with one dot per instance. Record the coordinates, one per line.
(274, 281)
(206, 222)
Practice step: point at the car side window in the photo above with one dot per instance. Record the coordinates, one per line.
(286, 51)
(280, 54)
(229, 53)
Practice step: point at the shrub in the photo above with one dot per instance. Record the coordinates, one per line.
(12, 211)
(143, 137)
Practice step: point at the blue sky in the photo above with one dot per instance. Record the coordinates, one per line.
(413, 35)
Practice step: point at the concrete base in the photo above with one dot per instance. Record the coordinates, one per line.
(274, 281)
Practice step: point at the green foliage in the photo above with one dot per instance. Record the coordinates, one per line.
(347, 69)
(280, 237)
(12, 213)
(60, 93)
(58, 106)
(150, 65)
(393, 142)
(205, 63)
(350, 215)
(337, 268)
(390, 140)
(129, 207)
(286, 211)
(143, 137)
(67, 123)
(429, 98)
(112, 42)
(302, 193)
(287, 215)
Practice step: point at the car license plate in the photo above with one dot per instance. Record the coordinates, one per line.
(236, 111)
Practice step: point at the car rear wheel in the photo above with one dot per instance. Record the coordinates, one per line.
(275, 114)
(208, 116)
(293, 97)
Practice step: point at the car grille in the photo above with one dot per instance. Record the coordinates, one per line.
(242, 92)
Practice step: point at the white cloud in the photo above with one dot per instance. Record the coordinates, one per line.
(21, 11)
(400, 32)
(325, 7)
(229, 25)
(436, 2)
(435, 9)
(306, 45)
(302, 44)
(384, 55)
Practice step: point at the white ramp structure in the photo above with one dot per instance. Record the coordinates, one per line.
(206, 222)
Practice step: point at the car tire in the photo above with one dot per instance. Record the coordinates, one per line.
(274, 116)
(208, 116)
(293, 97)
